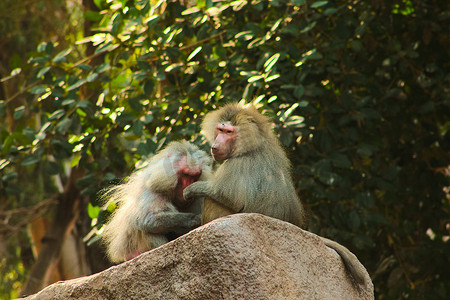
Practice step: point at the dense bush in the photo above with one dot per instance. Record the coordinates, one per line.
(358, 91)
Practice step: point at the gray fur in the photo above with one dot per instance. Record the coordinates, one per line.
(256, 177)
(146, 210)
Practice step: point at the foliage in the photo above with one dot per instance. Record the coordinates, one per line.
(358, 92)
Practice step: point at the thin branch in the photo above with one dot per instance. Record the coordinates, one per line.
(24, 214)
(220, 34)
(202, 41)
(39, 81)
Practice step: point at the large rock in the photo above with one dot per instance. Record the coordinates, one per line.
(244, 256)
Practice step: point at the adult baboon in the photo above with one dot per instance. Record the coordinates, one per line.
(255, 174)
(151, 205)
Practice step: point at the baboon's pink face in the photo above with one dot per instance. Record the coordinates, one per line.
(186, 176)
(225, 136)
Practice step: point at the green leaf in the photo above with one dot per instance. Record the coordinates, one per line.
(366, 150)
(354, 220)
(9, 176)
(87, 180)
(56, 115)
(22, 139)
(93, 211)
(340, 160)
(98, 3)
(92, 15)
(356, 45)
(299, 90)
(91, 77)
(84, 67)
(319, 4)
(103, 67)
(4, 163)
(288, 112)
(41, 47)
(135, 104)
(330, 11)
(173, 52)
(143, 149)
(109, 177)
(83, 104)
(64, 126)
(286, 137)
(148, 87)
(39, 89)
(18, 112)
(61, 149)
(51, 168)
(137, 127)
(125, 119)
(116, 22)
(13, 190)
(69, 102)
(75, 160)
(61, 56)
(365, 199)
(31, 159)
(40, 59)
(148, 118)
(49, 48)
(76, 84)
(362, 242)
(43, 71)
(111, 207)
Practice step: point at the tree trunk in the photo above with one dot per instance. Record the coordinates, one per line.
(65, 215)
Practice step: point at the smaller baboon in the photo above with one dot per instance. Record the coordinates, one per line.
(151, 208)
(255, 174)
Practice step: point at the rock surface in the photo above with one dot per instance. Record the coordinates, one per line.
(243, 256)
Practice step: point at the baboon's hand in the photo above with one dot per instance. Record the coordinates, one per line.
(196, 221)
(195, 190)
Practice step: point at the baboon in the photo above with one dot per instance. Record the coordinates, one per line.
(255, 174)
(151, 208)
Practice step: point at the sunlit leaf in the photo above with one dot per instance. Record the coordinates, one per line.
(191, 10)
(255, 78)
(39, 89)
(56, 115)
(77, 84)
(272, 77)
(18, 112)
(61, 56)
(93, 211)
(43, 71)
(194, 53)
(271, 62)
